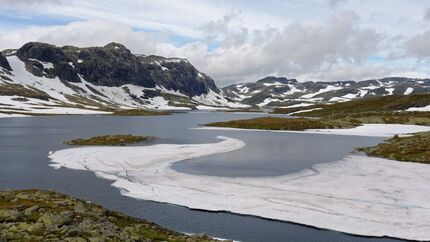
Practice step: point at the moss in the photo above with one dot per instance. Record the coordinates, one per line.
(277, 123)
(37, 215)
(139, 112)
(109, 140)
(415, 148)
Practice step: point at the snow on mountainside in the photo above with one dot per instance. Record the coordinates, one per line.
(42, 78)
(280, 91)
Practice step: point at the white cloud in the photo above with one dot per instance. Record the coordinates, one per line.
(419, 45)
(249, 42)
(311, 50)
(427, 15)
(84, 34)
(335, 3)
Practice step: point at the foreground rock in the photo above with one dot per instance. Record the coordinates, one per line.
(36, 215)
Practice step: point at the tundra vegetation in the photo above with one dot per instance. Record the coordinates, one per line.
(110, 140)
(415, 148)
(38, 215)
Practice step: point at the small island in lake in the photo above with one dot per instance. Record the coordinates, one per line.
(110, 140)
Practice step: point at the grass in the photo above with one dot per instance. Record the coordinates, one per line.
(415, 148)
(277, 123)
(139, 112)
(11, 89)
(109, 140)
(366, 105)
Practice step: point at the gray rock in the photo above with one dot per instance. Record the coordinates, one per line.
(79, 208)
(53, 219)
(4, 63)
(30, 210)
(9, 215)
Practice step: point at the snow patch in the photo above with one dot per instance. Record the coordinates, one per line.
(419, 109)
(358, 195)
(409, 91)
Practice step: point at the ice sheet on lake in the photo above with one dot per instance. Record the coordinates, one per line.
(358, 195)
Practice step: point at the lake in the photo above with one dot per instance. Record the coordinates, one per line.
(25, 143)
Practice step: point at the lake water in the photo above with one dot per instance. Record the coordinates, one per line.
(25, 143)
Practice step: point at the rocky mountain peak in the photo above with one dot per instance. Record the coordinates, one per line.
(115, 46)
(42, 52)
(273, 79)
(4, 63)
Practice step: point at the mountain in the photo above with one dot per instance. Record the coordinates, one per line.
(280, 91)
(40, 77)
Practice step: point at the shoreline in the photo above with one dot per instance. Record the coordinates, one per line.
(311, 197)
(368, 130)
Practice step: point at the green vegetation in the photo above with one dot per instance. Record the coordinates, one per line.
(139, 112)
(11, 89)
(241, 110)
(37, 215)
(370, 110)
(178, 101)
(276, 123)
(367, 105)
(415, 148)
(109, 140)
(343, 115)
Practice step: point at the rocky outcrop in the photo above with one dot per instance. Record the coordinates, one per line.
(36, 215)
(4, 63)
(34, 54)
(179, 75)
(114, 65)
(111, 65)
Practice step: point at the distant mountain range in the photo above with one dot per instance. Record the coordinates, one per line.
(43, 78)
(280, 91)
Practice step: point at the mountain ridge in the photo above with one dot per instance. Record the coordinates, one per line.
(281, 91)
(102, 77)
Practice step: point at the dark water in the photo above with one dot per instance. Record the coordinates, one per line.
(25, 143)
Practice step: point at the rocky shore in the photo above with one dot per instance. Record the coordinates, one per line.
(37, 215)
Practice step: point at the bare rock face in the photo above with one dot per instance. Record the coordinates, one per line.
(4, 63)
(111, 65)
(34, 53)
(179, 75)
(114, 65)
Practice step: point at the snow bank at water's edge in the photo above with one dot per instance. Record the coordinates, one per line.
(358, 195)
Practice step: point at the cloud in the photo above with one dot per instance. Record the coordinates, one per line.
(427, 15)
(312, 50)
(335, 3)
(230, 50)
(84, 34)
(418, 46)
(21, 3)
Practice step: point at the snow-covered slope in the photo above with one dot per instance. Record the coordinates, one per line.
(45, 79)
(280, 91)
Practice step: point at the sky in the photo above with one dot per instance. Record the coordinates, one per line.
(236, 41)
